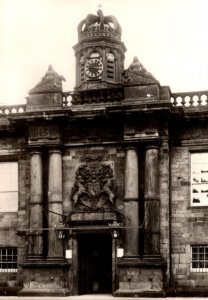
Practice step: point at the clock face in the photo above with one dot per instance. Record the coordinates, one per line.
(94, 67)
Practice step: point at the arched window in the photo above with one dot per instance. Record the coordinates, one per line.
(110, 66)
(94, 55)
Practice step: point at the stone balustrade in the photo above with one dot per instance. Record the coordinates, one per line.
(69, 98)
(185, 99)
(12, 109)
(92, 96)
(190, 99)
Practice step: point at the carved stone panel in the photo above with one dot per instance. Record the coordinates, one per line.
(141, 128)
(44, 133)
(94, 188)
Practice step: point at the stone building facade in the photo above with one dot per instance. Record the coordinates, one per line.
(104, 189)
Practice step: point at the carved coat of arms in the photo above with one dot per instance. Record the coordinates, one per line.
(94, 188)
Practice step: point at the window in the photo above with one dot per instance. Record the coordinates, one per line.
(82, 67)
(94, 55)
(8, 186)
(110, 66)
(199, 261)
(199, 179)
(8, 259)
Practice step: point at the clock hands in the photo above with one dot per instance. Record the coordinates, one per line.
(94, 67)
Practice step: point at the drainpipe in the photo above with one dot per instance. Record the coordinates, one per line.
(171, 285)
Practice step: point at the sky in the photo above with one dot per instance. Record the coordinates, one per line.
(170, 38)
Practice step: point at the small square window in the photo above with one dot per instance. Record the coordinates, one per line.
(199, 258)
(8, 259)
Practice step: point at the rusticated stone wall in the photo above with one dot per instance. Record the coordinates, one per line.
(189, 224)
(12, 149)
(164, 204)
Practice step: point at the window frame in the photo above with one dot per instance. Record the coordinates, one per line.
(201, 258)
(9, 160)
(110, 66)
(8, 255)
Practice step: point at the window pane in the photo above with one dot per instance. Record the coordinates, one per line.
(8, 202)
(9, 176)
(8, 186)
(195, 265)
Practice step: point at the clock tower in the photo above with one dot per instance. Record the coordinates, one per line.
(99, 53)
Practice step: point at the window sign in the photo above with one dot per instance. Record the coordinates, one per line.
(68, 254)
(199, 179)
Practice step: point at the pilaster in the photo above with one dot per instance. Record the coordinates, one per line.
(152, 202)
(131, 205)
(55, 209)
(36, 205)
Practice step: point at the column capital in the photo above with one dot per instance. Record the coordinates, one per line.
(131, 147)
(152, 198)
(55, 150)
(152, 146)
(36, 151)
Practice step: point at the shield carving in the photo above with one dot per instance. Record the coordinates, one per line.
(94, 188)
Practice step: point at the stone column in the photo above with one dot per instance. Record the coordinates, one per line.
(131, 203)
(36, 205)
(152, 203)
(55, 208)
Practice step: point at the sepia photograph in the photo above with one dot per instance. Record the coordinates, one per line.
(103, 149)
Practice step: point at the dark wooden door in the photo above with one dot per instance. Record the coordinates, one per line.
(95, 263)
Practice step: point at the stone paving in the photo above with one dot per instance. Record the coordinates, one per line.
(95, 297)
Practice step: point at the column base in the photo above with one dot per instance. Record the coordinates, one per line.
(139, 293)
(56, 259)
(141, 277)
(153, 258)
(39, 292)
(45, 278)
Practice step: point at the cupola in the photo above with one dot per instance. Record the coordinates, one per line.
(99, 52)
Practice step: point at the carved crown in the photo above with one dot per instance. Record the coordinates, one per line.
(95, 26)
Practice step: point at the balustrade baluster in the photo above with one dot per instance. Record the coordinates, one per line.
(101, 96)
(191, 100)
(200, 100)
(65, 101)
(174, 101)
(108, 96)
(183, 102)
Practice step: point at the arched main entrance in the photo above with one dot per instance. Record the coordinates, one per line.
(94, 263)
